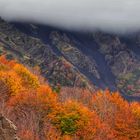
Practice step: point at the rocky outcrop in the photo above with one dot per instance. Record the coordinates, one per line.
(119, 57)
(74, 55)
(7, 129)
(32, 51)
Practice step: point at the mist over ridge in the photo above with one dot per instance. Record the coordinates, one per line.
(107, 15)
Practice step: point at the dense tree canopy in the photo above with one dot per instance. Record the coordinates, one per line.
(73, 114)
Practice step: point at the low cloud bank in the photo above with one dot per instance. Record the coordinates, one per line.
(106, 15)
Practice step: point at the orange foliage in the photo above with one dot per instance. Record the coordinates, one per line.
(75, 119)
(116, 112)
(119, 119)
(9, 63)
(74, 114)
(27, 77)
(8, 78)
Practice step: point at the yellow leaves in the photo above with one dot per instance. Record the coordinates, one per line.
(77, 108)
(28, 78)
(135, 107)
(16, 77)
(12, 81)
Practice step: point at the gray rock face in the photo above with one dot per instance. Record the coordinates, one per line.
(74, 55)
(7, 129)
(32, 51)
(119, 57)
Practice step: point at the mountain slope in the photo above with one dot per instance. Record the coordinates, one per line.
(32, 51)
(97, 60)
(42, 113)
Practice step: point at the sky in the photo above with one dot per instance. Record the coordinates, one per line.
(106, 15)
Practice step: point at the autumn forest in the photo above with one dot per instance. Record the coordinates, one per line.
(43, 113)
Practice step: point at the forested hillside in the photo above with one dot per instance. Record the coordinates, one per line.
(95, 60)
(44, 113)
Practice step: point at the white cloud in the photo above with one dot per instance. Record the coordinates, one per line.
(106, 15)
